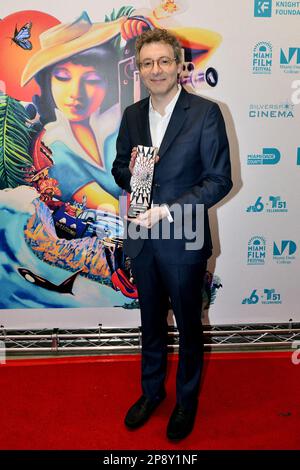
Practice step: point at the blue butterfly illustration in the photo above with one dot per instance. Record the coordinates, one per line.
(21, 36)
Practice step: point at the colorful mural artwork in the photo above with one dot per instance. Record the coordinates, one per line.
(61, 102)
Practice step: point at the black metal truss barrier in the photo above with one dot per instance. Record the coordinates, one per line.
(103, 340)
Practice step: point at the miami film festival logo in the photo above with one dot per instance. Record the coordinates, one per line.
(265, 297)
(262, 58)
(274, 204)
(269, 156)
(263, 8)
(284, 252)
(290, 59)
(256, 254)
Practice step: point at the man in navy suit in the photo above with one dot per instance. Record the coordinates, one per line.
(191, 172)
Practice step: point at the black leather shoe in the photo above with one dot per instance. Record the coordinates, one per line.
(141, 411)
(181, 422)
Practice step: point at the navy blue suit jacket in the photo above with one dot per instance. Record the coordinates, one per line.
(194, 166)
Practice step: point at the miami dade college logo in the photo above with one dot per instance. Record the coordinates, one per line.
(284, 253)
(290, 60)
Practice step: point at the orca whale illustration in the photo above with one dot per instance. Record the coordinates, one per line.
(64, 288)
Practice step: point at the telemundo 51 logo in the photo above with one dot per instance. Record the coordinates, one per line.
(273, 205)
(270, 156)
(268, 296)
(262, 58)
(256, 254)
(263, 8)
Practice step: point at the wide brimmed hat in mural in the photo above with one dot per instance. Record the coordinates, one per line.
(64, 40)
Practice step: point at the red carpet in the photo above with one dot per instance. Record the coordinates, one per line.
(248, 401)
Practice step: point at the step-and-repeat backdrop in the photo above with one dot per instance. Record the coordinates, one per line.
(67, 72)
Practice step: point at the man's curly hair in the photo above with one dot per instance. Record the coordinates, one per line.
(158, 35)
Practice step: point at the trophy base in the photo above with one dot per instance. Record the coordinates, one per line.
(134, 211)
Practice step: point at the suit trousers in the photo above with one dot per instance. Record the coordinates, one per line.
(158, 284)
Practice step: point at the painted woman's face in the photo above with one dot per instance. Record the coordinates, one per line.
(78, 90)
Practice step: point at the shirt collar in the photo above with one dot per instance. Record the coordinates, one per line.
(169, 108)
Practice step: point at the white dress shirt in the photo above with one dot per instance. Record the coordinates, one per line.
(159, 123)
(158, 126)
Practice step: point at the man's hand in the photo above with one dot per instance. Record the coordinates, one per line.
(133, 27)
(133, 158)
(150, 217)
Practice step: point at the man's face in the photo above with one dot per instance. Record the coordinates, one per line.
(160, 80)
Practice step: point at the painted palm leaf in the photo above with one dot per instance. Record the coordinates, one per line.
(124, 11)
(115, 15)
(15, 139)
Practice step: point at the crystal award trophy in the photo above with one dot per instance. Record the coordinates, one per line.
(141, 180)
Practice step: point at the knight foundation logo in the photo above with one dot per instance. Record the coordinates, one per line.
(262, 58)
(256, 251)
(263, 8)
